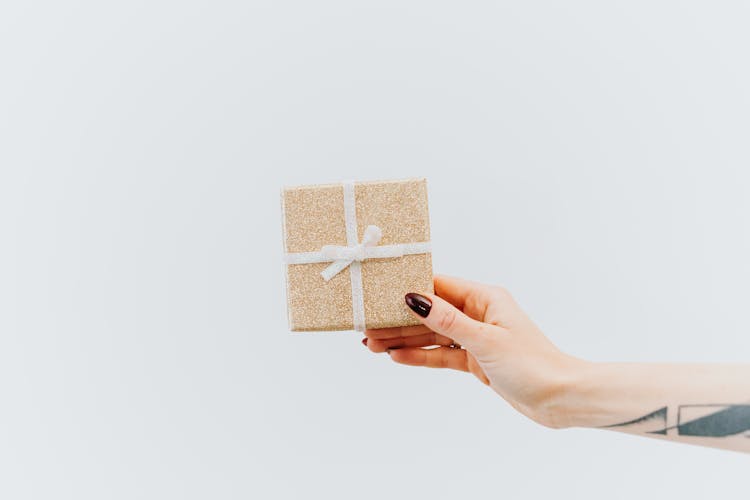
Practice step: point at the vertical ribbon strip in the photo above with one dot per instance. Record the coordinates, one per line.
(355, 267)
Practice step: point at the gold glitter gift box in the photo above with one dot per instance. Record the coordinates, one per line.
(352, 251)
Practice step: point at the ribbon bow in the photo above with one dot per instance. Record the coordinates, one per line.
(343, 256)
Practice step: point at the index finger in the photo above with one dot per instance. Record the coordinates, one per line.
(396, 331)
(470, 297)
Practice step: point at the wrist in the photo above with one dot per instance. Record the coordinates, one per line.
(570, 399)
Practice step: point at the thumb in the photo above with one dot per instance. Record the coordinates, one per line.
(444, 318)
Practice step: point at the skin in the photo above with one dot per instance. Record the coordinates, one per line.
(501, 346)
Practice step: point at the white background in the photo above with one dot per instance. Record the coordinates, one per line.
(590, 156)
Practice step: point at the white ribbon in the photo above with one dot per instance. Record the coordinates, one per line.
(353, 254)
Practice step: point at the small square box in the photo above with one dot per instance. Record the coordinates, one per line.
(352, 251)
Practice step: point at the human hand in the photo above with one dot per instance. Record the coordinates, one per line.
(480, 329)
(503, 348)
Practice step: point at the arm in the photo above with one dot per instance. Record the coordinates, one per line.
(707, 405)
(480, 329)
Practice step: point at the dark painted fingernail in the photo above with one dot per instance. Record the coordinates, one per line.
(364, 341)
(418, 303)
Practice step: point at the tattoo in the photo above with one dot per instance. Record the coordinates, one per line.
(695, 420)
(660, 414)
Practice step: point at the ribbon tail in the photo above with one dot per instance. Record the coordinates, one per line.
(336, 267)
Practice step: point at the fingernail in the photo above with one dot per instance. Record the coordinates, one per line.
(418, 303)
(364, 341)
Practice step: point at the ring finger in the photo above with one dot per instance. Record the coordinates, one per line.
(423, 340)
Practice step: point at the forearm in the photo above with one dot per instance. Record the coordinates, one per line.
(700, 404)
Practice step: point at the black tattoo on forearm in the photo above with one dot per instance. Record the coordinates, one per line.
(711, 420)
(658, 415)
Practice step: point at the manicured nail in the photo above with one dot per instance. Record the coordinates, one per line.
(418, 303)
(364, 341)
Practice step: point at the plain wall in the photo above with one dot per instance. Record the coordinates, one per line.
(590, 156)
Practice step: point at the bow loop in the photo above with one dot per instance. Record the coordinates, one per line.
(343, 256)
(372, 236)
(335, 252)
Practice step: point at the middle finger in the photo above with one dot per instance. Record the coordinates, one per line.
(424, 340)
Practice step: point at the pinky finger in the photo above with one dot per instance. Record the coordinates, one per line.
(438, 357)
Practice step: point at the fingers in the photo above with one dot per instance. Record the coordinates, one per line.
(486, 303)
(439, 357)
(423, 340)
(442, 317)
(396, 332)
(470, 297)
(409, 351)
(457, 290)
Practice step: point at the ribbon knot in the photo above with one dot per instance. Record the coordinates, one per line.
(343, 256)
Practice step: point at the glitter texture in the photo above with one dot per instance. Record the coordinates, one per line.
(313, 216)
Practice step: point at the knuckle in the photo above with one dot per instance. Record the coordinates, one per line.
(444, 362)
(375, 346)
(501, 292)
(447, 320)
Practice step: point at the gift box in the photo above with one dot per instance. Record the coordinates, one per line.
(352, 251)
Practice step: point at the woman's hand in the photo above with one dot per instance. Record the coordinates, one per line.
(480, 329)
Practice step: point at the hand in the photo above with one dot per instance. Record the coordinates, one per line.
(503, 348)
(499, 344)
